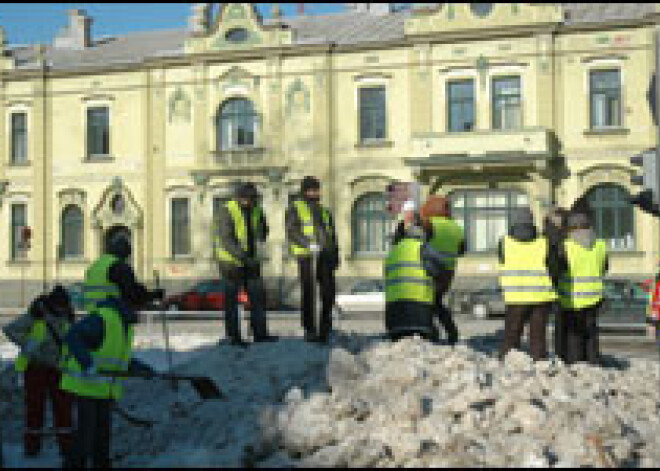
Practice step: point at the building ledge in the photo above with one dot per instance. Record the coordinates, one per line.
(73, 261)
(17, 263)
(11, 165)
(607, 132)
(98, 159)
(359, 257)
(368, 144)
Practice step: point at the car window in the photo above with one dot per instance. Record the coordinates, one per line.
(369, 286)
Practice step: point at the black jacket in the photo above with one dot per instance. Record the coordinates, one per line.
(227, 233)
(327, 241)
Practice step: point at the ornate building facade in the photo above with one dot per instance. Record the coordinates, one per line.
(495, 105)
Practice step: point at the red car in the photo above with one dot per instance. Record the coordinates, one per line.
(207, 295)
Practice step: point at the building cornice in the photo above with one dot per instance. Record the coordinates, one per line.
(294, 50)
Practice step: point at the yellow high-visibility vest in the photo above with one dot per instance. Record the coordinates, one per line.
(582, 285)
(524, 277)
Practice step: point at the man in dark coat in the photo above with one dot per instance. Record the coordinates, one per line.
(241, 231)
(311, 233)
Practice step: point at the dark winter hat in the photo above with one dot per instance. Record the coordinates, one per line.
(59, 296)
(522, 217)
(119, 246)
(247, 190)
(310, 183)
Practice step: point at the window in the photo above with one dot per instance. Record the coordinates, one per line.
(485, 215)
(506, 103)
(372, 224)
(98, 131)
(72, 233)
(19, 138)
(612, 216)
(18, 222)
(237, 124)
(236, 35)
(481, 9)
(461, 105)
(180, 227)
(372, 112)
(605, 97)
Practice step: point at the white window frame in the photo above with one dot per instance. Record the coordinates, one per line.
(97, 104)
(18, 108)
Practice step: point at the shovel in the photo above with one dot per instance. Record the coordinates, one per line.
(204, 386)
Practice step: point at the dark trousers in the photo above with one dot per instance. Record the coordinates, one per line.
(254, 286)
(517, 315)
(445, 317)
(92, 435)
(40, 383)
(559, 335)
(581, 330)
(326, 278)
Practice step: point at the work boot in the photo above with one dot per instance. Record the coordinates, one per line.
(266, 338)
(238, 343)
(310, 337)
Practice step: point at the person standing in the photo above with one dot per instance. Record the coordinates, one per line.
(525, 267)
(102, 342)
(241, 230)
(448, 239)
(39, 334)
(554, 229)
(311, 233)
(584, 262)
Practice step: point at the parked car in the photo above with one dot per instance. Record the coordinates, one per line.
(625, 302)
(207, 295)
(364, 296)
(486, 302)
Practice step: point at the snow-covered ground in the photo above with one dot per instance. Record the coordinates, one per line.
(366, 402)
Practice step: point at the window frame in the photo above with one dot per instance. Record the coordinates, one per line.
(467, 210)
(175, 225)
(13, 161)
(591, 92)
(455, 81)
(256, 125)
(89, 155)
(620, 203)
(80, 253)
(17, 254)
(371, 109)
(494, 97)
(375, 217)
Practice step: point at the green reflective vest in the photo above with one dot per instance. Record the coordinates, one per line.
(582, 285)
(524, 277)
(113, 355)
(240, 228)
(405, 276)
(38, 334)
(97, 286)
(447, 238)
(307, 221)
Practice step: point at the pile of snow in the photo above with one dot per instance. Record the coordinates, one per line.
(415, 404)
(365, 401)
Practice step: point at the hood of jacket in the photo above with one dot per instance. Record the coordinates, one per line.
(583, 237)
(523, 232)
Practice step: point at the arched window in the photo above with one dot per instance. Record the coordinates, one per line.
(485, 215)
(237, 124)
(372, 224)
(72, 232)
(612, 216)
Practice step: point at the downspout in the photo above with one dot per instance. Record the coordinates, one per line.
(331, 117)
(44, 163)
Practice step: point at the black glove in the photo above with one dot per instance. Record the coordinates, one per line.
(158, 294)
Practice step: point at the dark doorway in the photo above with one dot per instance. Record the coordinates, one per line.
(118, 230)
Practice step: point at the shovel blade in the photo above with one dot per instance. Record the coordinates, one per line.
(206, 388)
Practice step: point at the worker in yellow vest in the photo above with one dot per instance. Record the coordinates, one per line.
(447, 238)
(311, 233)
(410, 268)
(39, 335)
(525, 277)
(583, 263)
(100, 343)
(241, 231)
